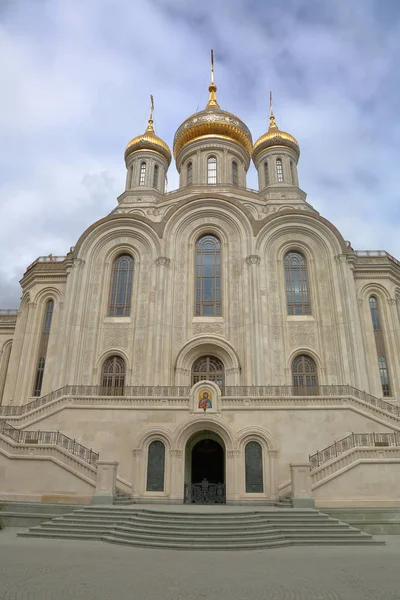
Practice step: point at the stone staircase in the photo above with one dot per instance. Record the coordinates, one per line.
(122, 498)
(196, 528)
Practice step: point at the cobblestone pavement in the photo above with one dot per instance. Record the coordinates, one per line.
(59, 570)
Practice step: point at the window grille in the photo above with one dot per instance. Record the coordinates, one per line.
(155, 467)
(383, 372)
(212, 170)
(208, 276)
(113, 376)
(304, 376)
(48, 316)
(254, 468)
(279, 171)
(373, 305)
(298, 302)
(142, 176)
(235, 173)
(155, 176)
(189, 174)
(39, 376)
(266, 173)
(208, 368)
(121, 286)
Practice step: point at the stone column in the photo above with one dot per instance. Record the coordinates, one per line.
(254, 320)
(300, 474)
(105, 482)
(177, 476)
(233, 494)
(273, 480)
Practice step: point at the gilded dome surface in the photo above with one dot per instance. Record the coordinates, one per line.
(275, 137)
(149, 141)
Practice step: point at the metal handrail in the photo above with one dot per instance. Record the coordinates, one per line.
(239, 391)
(50, 437)
(354, 440)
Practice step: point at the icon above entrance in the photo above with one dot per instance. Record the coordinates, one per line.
(205, 397)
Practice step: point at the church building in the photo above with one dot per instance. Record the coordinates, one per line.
(213, 343)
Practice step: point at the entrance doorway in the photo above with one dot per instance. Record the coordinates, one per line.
(205, 469)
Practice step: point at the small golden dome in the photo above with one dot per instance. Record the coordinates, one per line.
(149, 141)
(275, 137)
(213, 122)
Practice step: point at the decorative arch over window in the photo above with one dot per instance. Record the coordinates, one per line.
(298, 302)
(208, 276)
(208, 368)
(304, 376)
(142, 174)
(279, 170)
(113, 376)
(376, 321)
(155, 176)
(384, 375)
(254, 468)
(189, 173)
(266, 173)
(212, 170)
(121, 286)
(43, 345)
(235, 173)
(155, 467)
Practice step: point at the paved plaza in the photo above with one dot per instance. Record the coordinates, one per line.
(36, 569)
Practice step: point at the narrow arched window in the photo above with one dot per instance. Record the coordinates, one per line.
(292, 173)
(113, 377)
(298, 302)
(121, 287)
(234, 172)
(254, 468)
(279, 171)
(4, 364)
(189, 174)
(266, 173)
(155, 467)
(304, 376)
(208, 276)
(212, 170)
(43, 345)
(48, 316)
(142, 175)
(39, 376)
(208, 368)
(376, 321)
(155, 176)
(383, 372)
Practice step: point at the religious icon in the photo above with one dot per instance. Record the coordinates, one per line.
(205, 399)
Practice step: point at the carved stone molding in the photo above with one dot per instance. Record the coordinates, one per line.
(302, 334)
(253, 259)
(232, 454)
(163, 261)
(78, 262)
(232, 371)
(182, 371)
(341, 258)
(360, 302)
(32, 305)
(176, 453)
(273, 453)
(202, 328)
(392, 301)
(137, 452)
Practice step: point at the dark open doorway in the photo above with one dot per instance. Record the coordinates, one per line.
(208, 462)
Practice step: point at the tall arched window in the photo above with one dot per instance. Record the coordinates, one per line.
(208, 368)
(208, 276)
(189, 174)
(212, 170)
(43, 344)
(373, 305)
(155, 467)
(234, 173)
(254, 468)
(121, 286)
(113, 376)
(266, 173)
(383, 372)
(279, 171)
(296, 284)
(305, 376)
(292, 172)
(142, 175)
(4, 363)
(380, 345)
(155, 176)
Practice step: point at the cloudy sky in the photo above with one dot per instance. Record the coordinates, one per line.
(75, 77)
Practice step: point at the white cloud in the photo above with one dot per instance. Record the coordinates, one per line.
(75, 86)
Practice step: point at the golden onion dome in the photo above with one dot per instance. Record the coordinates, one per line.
(213, 122)
(149, 141)
(275, 137)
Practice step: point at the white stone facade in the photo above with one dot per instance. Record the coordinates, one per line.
(254, 337)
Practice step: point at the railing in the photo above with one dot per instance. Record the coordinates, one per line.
(47, 259)
(8, 312)
(376, 254)
(50, 437)
(354, 440)
(210, 186)
(239, 391)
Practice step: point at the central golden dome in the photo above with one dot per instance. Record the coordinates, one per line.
(213, 122)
